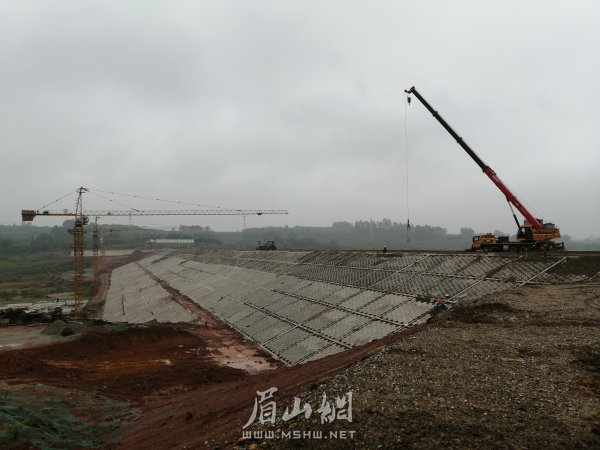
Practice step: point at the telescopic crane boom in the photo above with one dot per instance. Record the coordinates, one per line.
(533, 229)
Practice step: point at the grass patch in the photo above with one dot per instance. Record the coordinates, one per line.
(44, 417)
(33, 278)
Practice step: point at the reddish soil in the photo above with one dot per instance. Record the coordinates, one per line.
(128, 364)
(224, 345)
(212, 416)
(168, 372)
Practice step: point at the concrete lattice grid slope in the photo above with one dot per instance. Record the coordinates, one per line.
(302, 306)
(136, 298)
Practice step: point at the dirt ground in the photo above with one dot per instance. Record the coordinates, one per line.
(519, 369)
(166, 372)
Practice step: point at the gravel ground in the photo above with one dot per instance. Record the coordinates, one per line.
(515, 370)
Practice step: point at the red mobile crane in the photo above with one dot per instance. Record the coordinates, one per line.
(534, 234)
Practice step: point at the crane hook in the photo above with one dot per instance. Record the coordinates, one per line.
(408, 99)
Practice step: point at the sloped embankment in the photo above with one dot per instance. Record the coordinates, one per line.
(517, 370)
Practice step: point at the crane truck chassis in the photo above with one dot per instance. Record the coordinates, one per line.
(489, 242)
(533, 235)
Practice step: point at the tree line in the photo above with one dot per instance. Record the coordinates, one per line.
(342, 235)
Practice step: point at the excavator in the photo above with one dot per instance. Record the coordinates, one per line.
(532, 235)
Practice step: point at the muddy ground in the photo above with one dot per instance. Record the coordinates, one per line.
(516, 370)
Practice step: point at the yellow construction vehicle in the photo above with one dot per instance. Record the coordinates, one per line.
(269, 245)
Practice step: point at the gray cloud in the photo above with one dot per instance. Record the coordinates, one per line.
(300, 105)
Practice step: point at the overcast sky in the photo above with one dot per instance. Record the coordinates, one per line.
(300, 105)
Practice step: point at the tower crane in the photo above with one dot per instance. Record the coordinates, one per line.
(82, 218)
